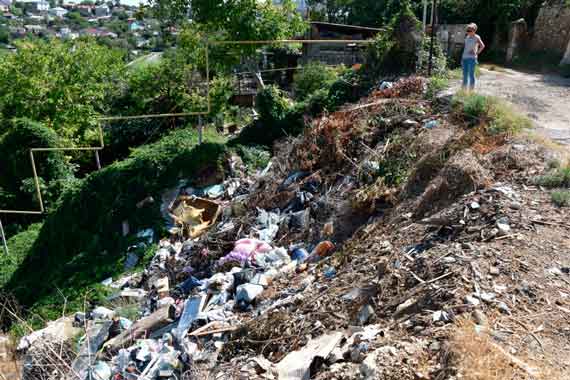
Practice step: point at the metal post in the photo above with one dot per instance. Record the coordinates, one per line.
(4, 239)
(424, 19)
(433, 24)
(199, 130)
(97, 160)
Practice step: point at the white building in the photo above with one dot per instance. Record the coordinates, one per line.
(102, 11)
(58, 12)
(36, 6)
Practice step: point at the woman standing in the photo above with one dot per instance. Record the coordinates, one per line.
(473, 47)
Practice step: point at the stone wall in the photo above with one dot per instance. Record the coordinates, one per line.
(552, 28)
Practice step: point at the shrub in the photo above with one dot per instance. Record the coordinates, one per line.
(395, 51)
(561, 198)
(497, 116)
(278, 117)
(439, 61)
(435, 85)
(558, 177)
(312, 77)
(17, 186)
(254, 157)
(80, 242)
(18, 246)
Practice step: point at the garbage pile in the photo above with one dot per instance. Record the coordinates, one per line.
(285, 274)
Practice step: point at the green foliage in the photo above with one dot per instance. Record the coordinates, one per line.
(4, 35)
(561, 198)
(436, 84)
(474, 106)
(557, 177)
(18, 190)
(395, 51)
(278, 117)
(18, 246)
(497, 116)
(312, 77)
(439, 60)
(66, 85)
(249, 19)
(346, 88)
(253, 157)
(81, 243)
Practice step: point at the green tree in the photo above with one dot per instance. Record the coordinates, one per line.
(76, 21)
(66, 85)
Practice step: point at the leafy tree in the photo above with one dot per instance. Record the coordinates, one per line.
(63, 84)
(76, 21)
(311, 78)
(170, 13)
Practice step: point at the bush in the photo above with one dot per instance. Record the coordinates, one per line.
(81, 243)
(18, 246)
(435, 85)
(278, 117)
(439, 61)
(17, 186)
(345, 89)
(561, 198)
(395, 51)
(497, 116)
(312, 77)
(558, 177)
(253, 157)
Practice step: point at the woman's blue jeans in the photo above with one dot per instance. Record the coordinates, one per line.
(468, 65)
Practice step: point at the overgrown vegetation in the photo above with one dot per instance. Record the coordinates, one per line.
(561, 198)
(17, 185)
(312, 77)
(81, 243)
(494, 114)
(62, 84)
(557, 177)
(396, 52)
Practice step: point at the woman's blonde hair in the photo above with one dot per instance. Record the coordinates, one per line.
(472, 27)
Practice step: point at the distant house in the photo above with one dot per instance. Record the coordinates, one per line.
(35, 29)
(58, 12)
(36, 6)
(134, 26)
(84, 10)
(102, 11)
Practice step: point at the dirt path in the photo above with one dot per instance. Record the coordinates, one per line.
(543, 98)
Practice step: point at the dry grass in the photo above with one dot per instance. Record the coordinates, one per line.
(475, 356)
(561, 151)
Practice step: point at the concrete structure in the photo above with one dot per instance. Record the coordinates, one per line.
(518, 37)
(334, 53)
(451, 37)
(552, 28)
(102, 11)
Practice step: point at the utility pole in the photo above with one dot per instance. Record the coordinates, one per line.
(424, 19)
(3, 238)
(433, 27)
